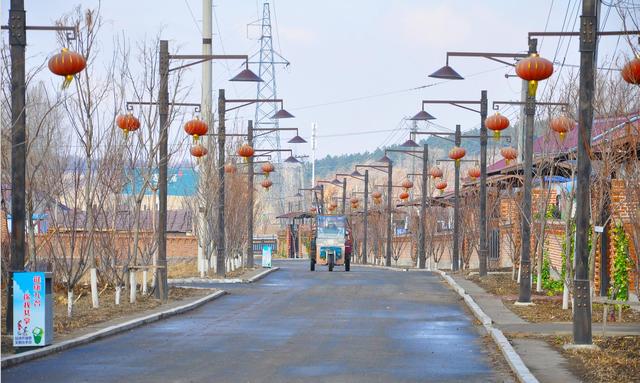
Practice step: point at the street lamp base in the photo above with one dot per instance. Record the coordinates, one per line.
(581, 347)
(524, 303)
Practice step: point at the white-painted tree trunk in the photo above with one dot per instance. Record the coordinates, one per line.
(565, 296)
(201, 261)
(69, 303)
(133, 288)
(539, 279)
(519, 271)
(95, 302)
(144, 281)
(436, 266)
(118, 291)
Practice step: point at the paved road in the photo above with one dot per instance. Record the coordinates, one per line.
(369, 325)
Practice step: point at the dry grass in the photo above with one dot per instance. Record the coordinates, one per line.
(85, 315)
(190, 270)
(550, 310)
(617, 360)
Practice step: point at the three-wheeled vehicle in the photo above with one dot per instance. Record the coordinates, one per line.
(331, 243)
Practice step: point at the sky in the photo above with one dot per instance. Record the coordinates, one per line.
(358, 67)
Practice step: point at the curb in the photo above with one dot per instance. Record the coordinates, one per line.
(256, 277)
(263, 274)
(105, 332)
(518, 367)
(392, 268)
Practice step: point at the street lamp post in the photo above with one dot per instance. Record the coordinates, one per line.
(365, 216)
(388, 169)
(424, 156)
(18, 41)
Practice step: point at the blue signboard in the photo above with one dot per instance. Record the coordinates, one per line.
(28, 309)
(266, 256)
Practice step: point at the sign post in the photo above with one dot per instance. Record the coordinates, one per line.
(32, 309)
(266, 256)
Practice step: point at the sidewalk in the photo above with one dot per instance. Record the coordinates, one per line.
(547, 364)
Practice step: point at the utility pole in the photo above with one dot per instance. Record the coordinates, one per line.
(389, 213)
(483, 184)
(365, 217)
(423, 208)
(17, 41)
(344, 195)
(313, 153)
(525, 254)
(162, 287)
(207, 101)
(456, 207)
(220, 248)
(250, 196)
(582, 295)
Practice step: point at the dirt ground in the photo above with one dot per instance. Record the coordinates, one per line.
(190, 270)
(547, 308)
(617, 360)
(84, 315)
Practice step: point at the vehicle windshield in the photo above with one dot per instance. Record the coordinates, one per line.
(331, 227)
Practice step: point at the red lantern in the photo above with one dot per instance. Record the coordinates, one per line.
(436, 172)
(509, 154)
(533, 69)
(457, 153)
(376, 194)
(631, 71)
(377, 201)
(198, 151)
(245, 151)
(266, 184)
(496, 123)
(354, 200)
(332, 208)
(474, 173)
(128, 123)
(354, 205)
(196, 128)
(230, 168)
(562, 125)
(333, 205)
(407, 184)
(267, 168)
(67, 64)
(441, 186)
(404, 195)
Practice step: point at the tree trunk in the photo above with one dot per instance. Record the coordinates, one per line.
(118, 291)
(132, 286)
(94, 287)
(69, 303)
(144, 281)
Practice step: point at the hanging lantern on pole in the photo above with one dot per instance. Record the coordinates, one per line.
(496, 123)
(407, 184)
(198, 151)
(128, 123)
(404, 196)
(631, 71)
(67, 64)
(196, 128)
(533, 69)
(266, 183)
(441, 185)
(509, 154)
(436, 172)
(474, 173)
(457, 153)
(230, 168)
(267, 168)
(246, 151)
(562, 125)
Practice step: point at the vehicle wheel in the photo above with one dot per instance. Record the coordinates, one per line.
(313, 265)
(347, 263)
(331, 262)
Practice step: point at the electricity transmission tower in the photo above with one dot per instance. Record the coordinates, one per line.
(268, 58)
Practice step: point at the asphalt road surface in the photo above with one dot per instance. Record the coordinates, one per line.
(368, 325)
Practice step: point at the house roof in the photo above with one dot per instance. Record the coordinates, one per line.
(178, 221)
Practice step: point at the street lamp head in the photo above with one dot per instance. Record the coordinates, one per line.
(356, 173)
(246, 76)
(410, 144)
(422, 116)
(292, 160)
(336, 182)
(298, 195)
(385, 159)
(281, 114)
(446, 73)
(297, 140)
